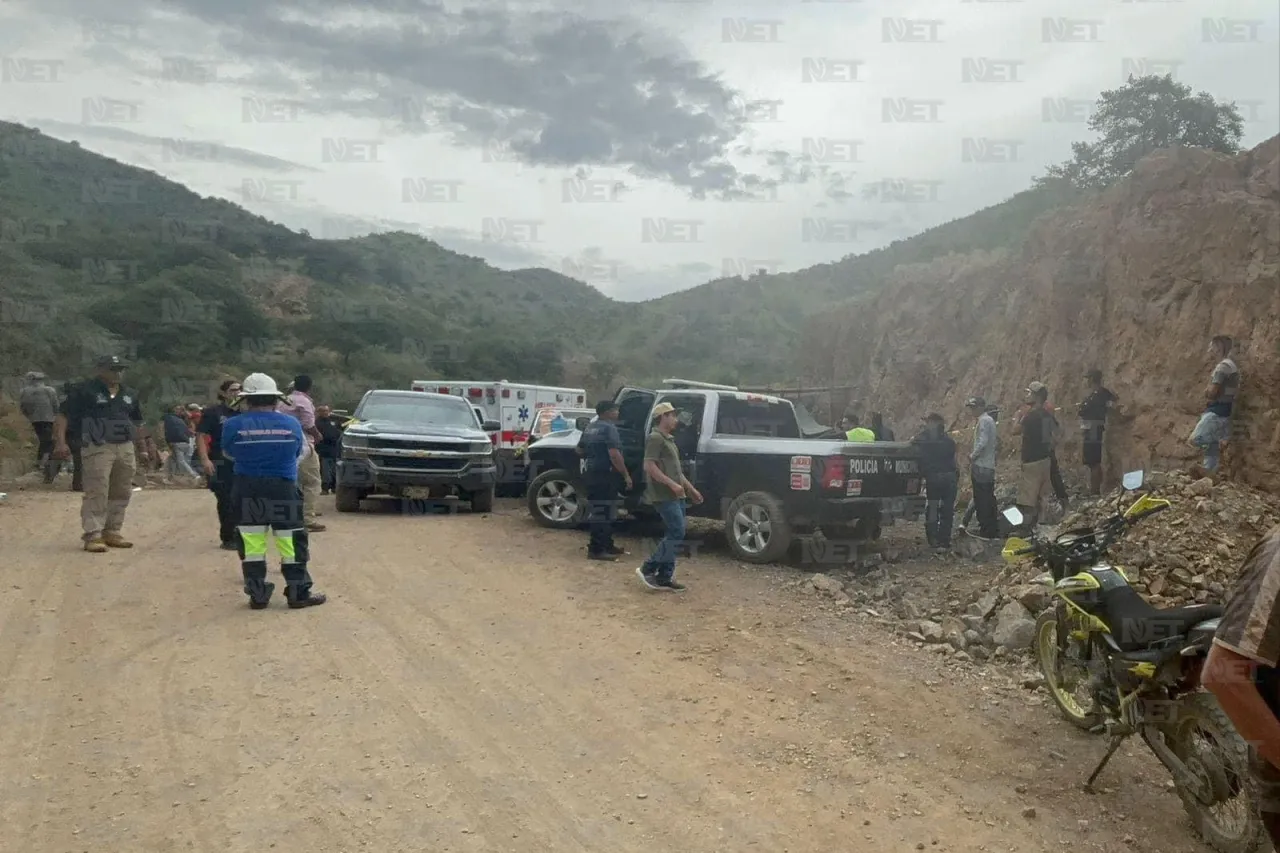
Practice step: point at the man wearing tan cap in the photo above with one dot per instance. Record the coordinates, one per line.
(665, 488)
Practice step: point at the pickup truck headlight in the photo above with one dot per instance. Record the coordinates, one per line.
(355, 442)
(485, 447)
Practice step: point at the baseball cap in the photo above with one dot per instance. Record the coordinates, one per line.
(605, 406)
(975, 403)
(111, 361)
(662, 409)
(1036, 387)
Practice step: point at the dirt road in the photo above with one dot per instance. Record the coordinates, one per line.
(475, 685)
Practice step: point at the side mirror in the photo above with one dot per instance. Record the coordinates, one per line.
(581, 423)
(1014, 516)
(1132, 481)
(491, 426)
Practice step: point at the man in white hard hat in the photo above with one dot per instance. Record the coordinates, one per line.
(264, 446)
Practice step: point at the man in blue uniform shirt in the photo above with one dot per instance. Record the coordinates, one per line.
(605, 470)
(264, 446)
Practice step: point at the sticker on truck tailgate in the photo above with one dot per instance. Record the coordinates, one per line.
(855, 488)
(867, 466)
(801, 482)
(801, 464)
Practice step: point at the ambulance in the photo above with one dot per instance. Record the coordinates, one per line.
(512, 404)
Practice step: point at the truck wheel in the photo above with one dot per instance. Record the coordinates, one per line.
(756, 527)
(346, 499)
(482, 501)
(557, 499)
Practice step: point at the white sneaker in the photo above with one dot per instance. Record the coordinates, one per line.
(645, 579)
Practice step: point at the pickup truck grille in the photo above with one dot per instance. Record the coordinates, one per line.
(396, 444)
(409, 463)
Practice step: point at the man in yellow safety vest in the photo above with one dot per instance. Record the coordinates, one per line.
(854, 431)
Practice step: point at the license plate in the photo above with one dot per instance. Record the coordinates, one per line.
(895, 506)
(417, 492)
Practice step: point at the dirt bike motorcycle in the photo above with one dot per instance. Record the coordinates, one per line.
(1116, 665)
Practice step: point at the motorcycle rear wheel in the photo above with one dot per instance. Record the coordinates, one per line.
(1062, 688)
(1224, 771)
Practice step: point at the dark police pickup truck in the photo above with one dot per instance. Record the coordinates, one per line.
(758, 473)
(398, 441)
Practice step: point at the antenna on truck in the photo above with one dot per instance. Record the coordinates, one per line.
(688, 383)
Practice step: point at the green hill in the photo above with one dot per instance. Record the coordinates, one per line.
(96, 255)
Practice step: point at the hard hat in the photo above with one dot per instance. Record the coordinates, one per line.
(259, 385)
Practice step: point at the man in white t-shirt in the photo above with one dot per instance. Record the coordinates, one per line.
(1214, 427)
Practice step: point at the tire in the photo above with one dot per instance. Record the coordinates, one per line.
(557, 499)
(346, 499)
(756, 528)
(1045, 645)
(482, 501)
(1225, 767)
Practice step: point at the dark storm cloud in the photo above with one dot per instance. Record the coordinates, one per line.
(550, 87)
(217, 152)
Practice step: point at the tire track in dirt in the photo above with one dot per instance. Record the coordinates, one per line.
(563, 713)
(31, 692)
(531, 681)
(199, 827)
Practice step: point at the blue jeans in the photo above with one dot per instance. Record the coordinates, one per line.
(662, 563)
(1211, 430)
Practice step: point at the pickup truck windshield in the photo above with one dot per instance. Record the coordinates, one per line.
(756, 418)
(418, 411)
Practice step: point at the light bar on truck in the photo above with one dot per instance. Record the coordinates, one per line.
(689, 383)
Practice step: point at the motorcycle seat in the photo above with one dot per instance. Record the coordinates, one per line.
(1135, 624)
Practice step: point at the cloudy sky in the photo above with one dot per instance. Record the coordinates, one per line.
(642, 145)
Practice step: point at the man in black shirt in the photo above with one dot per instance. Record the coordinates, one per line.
(1037, 428)
(605, 472)
(217, 468)
(883, 433)
(938, 465)
(1093, 423)
(73, 445)
(327, 447)
(107, 417)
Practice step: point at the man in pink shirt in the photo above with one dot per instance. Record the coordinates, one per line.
(301, 406)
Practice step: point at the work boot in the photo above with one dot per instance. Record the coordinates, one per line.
(259, 593)
(115, 540)
(299, 597)
(297, 589)
(315, 526)
(95, 545)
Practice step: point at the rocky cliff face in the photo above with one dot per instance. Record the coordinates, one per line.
(1133, 283)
